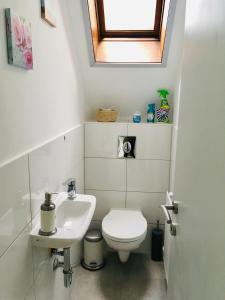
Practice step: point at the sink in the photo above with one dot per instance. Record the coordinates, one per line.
(73, 218)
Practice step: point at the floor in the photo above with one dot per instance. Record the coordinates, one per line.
(139, 279)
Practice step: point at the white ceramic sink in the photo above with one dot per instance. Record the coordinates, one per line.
(73, 218)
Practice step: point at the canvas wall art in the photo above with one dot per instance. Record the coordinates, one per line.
(47, 13)
(19, 40)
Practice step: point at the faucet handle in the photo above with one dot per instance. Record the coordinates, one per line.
(70, 181)
(71, 187)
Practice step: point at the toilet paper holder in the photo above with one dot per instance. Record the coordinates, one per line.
(172, 206)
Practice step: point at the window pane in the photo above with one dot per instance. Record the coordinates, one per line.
(129, 14)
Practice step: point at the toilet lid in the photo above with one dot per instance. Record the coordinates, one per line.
(124, 225)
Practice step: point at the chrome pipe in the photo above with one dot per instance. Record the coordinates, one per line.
(67, 270)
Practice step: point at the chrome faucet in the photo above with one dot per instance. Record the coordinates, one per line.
(71, 188)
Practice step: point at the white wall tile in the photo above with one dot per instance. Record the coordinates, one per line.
(106, 200)
(78, 174)
(50, 166)
(148, 175)
(31, 294)
(74, 149)
(153, 140)
(16, 271)
(54, 163)
(47, 169)
(74, 157)
(101, 140)
(149, 203)
(15, 201)
(105, 174)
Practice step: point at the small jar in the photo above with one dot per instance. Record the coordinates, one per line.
(137, 117)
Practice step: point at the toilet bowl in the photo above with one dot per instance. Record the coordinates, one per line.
(124, 231)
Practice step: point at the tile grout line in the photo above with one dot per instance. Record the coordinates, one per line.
(33, 272)
(126, 191)
(16, 238)
(84, 143)
(126, 175)
(30, 150)
(30, 219)
(170, 167)
(29, 176)
(31, 215)
(136, 159)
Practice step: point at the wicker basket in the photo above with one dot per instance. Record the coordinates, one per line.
(106, 115)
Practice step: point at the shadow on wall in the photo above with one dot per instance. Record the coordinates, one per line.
(73, 42)
(131, 279)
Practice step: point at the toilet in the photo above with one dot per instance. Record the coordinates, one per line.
(124, 231)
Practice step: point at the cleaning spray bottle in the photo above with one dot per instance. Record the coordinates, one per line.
(163, 111)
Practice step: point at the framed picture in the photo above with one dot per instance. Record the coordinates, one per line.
(47, 14)
(19, 40)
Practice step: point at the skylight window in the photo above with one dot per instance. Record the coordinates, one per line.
(130, 18)
(129, 31)
(129, 14)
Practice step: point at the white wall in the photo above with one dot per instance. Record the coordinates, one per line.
(128, 89)
(26, 271)
(35, 107)
(38, 105)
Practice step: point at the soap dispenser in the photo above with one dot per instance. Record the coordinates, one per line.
(48, 216)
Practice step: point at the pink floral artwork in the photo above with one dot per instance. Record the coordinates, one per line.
(19, 40)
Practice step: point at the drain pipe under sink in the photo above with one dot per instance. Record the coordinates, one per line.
(67, 269)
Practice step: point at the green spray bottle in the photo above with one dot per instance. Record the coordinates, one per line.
(163, 95)
(163, 112)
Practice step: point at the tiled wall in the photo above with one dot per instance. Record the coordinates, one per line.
(26, 271)
(128, 183)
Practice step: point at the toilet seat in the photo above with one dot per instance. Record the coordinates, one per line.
(124, 225)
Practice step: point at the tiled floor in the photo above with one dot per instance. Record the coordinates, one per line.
(139, 279)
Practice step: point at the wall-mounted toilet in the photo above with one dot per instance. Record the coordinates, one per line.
(124, 230)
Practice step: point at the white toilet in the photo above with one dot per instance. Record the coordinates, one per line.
(124, 230)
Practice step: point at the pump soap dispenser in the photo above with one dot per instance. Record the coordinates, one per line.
(48, 217)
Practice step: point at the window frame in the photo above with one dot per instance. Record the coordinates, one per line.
(151, 34)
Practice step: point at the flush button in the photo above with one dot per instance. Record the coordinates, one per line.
(126, 146)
